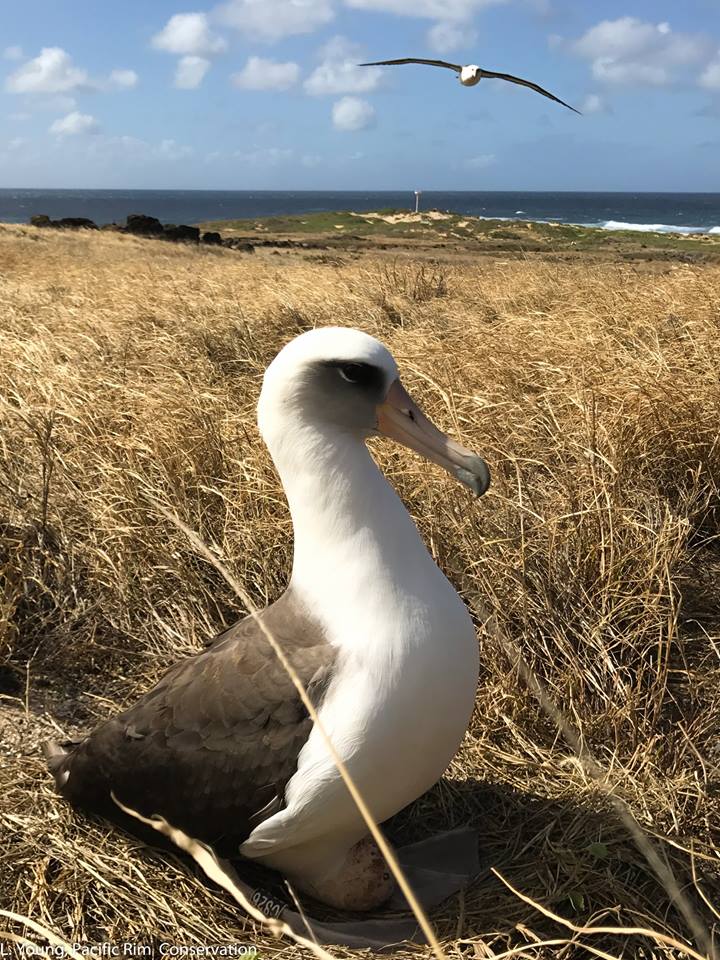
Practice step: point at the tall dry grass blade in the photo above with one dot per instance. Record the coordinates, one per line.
(206, 859)
(655, 935)
(600, 776)
(51, 937)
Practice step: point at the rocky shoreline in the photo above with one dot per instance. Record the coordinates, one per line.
(142, 225)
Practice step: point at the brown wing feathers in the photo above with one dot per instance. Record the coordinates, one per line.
(213, 744)
(430, 63)
(527, 83)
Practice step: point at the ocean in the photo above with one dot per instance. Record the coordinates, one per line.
(661, 212)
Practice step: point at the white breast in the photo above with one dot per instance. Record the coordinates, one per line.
(396, 723)
(470, 76)
(407, 658)
(404, 688)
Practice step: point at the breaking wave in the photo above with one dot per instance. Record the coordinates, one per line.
(656, 227)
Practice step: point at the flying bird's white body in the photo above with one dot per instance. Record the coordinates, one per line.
(470, 75)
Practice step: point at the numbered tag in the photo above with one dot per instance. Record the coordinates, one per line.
(269, 905)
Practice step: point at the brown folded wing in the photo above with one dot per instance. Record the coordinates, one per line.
(213, 744)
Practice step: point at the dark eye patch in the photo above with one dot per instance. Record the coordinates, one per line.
(363, 375)
(360, 373)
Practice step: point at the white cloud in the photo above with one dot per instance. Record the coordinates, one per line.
(74, 124)
(123, 79)
(266, 128)
(60, 103)
(260, 74)
(266, 156)
(188, 34)
(609, 70)
(443, 10)
(339, 48)
(17, 143)
(172, 150)
(190, 72)
(12, 53)
(481, 162)
(545, 9)
(629, 51)
(710, 77)
(126, 143)
(52, 71)
(53, 74)
(339, 71)
(133, 148)
(271, 20)
(446, 36)
(352, 113)
(594, 103)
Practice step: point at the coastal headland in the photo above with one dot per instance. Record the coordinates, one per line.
(451, 236)
(434, 233)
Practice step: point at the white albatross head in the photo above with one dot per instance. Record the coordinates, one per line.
(337, 380)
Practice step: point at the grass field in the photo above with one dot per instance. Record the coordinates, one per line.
(129, 376)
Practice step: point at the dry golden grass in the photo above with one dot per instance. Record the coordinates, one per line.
(129, 374)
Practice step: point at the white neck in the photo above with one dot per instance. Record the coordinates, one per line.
(355, 543)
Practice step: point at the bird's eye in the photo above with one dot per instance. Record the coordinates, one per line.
(356, 372)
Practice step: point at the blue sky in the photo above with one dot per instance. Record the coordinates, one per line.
(265, 94)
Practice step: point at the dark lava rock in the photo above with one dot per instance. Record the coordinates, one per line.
(75, 223)
(279, 244)
(114, 227)
(237, 243)
(181, 233)
(66, 223)
(144, 226)
(212, 238)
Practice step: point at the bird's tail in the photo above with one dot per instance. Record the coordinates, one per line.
(57, 755)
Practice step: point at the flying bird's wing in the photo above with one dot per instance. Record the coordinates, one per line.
(430, 63)
(527, 83)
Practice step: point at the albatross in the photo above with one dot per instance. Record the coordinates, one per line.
(222, 746)
(470, 75)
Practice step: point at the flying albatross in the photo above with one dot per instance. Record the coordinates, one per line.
(471, 74)
(222, 746)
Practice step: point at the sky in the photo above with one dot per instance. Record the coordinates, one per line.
(267, 94)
